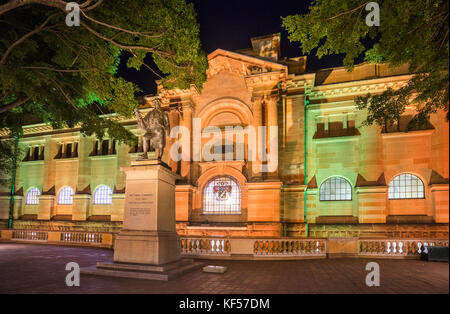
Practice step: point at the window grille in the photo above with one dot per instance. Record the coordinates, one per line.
(65, 196)
(32, 196)
(336, 189)
(103, 195)
(406, 186)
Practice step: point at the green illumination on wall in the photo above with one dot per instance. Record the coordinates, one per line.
(305, 219)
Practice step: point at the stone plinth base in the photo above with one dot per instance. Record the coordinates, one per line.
(163, 272)
(147, 247)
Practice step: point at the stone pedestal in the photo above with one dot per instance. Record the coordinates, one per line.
(148, 246)
(149, 234)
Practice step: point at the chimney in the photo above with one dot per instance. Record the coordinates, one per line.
(267, 46)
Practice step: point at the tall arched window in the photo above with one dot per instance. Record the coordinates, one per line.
(102, 195)
(222, 196)
(32, 196)
(406, 186)
(65, 196)
(336, 189)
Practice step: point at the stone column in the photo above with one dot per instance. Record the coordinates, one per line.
(187, 122)
(46, 207)
(123, 160)
(47, 199)
(80, 209)
(272, 120)
(257, 122)
(50, 151)
(18, 206)
(84, 163)
(272, 112)
(371, 204)
(173, 121)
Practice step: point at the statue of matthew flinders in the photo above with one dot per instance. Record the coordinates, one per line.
(155, 124)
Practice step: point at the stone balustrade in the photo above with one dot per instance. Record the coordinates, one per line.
(205, 246)
(397, 247)
(239, 248)
(252, 248)
(96, 239)
(290, 247)
(81, 237)
(30, 235)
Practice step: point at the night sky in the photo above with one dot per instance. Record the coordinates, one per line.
(229, 25)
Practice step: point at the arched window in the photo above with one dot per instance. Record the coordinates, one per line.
(102, 195)
(65, 196)
(222, 196)
(32, 196)
(336, 189)
(406, 186)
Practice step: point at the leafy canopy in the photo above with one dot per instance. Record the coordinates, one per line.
(67, 76)
(413, 32)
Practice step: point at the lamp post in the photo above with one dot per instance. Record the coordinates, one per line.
(13, 183)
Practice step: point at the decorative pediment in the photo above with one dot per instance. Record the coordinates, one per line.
(242, 65)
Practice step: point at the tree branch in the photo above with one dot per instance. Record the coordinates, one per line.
(126, 47)
(56, 70)
(94, 5)
(24, 37)
(146, 65)
(347, 12)
(65, 95)
(145, 34)
(14, 4)
(15, 104)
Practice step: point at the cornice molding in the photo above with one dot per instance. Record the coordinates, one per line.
(358, 87)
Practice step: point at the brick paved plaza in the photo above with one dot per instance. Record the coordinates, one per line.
(26, 268)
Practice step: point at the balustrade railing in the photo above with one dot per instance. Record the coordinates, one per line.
(216, 247)
(81, 237)
(30, 235)
(397, 247)
(276, 247)
(289, 247)
(73, 237)
(205, 246)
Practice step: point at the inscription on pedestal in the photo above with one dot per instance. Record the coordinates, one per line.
(141, 204)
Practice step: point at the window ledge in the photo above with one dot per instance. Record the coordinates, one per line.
(337, 138)
(336, 220)
(33, 162)
(102, 157)
(409, 219)
(410, 133)
(215, 228)
(66, 159)
(150, 154)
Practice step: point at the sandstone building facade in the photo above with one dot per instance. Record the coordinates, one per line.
(335, 177)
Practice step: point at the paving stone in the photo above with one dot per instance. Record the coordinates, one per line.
(27, 268)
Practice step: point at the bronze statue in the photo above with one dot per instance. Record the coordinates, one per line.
(155, 124)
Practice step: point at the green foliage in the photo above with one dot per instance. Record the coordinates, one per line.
(67, 76)
(413, 32)
(385, 110)
(8, 161)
